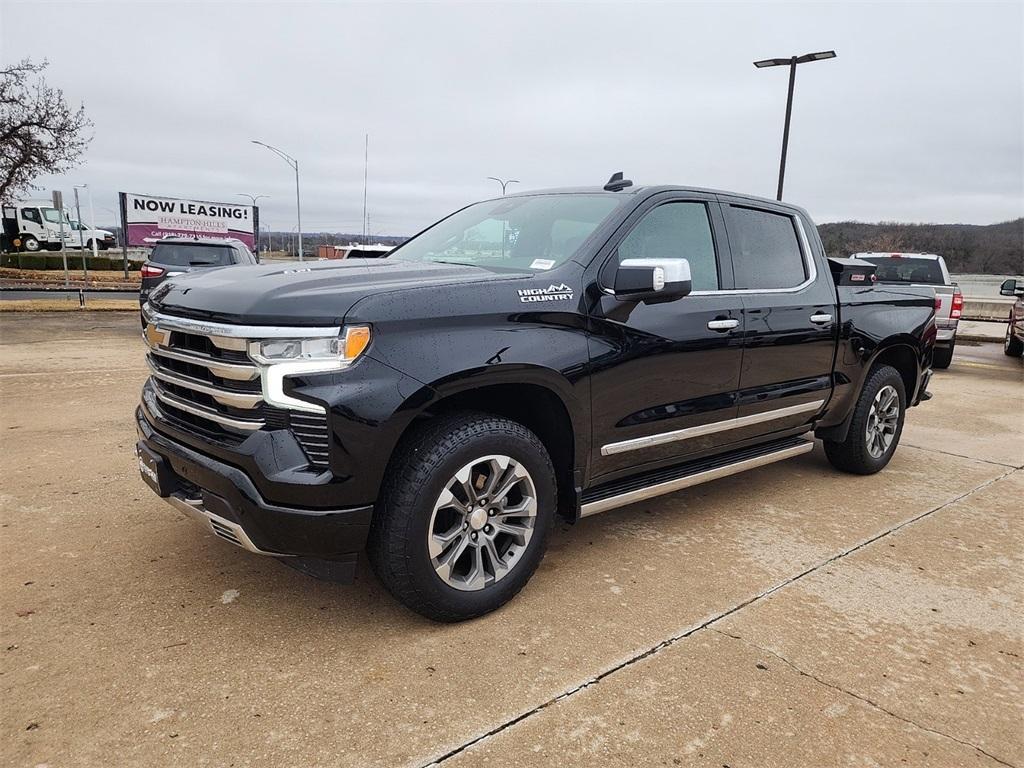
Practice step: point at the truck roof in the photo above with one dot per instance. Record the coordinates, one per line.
(647, 191)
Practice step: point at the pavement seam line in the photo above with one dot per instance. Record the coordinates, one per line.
(672, 640)
(859, 697)
(959, 455)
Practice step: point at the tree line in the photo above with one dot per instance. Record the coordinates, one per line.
(990, 249)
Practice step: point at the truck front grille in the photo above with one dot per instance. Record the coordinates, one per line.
(206, 384)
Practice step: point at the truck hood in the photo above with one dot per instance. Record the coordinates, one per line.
(318, 293)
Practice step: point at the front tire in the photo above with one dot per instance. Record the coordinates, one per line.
(943, 357)
(876, 426)
(1012, 346)
(464, 516)
(30, 244)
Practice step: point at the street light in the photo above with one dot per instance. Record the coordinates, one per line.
(254, 198)
(504, 184)
(791, 62)
(295, 165)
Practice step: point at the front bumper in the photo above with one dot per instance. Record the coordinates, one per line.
(226, 500)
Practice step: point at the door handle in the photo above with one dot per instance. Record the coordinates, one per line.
(820, 318)
(722, 325)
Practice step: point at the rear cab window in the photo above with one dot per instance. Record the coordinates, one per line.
(187, 255)
(766, 250)
(906, 271)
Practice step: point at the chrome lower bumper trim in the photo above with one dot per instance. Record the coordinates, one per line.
(221, 528)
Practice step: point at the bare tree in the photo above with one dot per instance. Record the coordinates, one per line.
(39, 132)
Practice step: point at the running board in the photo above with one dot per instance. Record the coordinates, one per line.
(658, 482)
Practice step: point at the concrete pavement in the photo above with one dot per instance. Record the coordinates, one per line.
(783, 617)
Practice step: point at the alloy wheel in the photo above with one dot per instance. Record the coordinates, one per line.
(883, 420)
(482, 522)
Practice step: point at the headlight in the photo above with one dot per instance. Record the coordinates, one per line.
(279, 358)
(346, 348)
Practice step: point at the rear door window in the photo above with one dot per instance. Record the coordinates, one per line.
(183, 255)
(765, 249)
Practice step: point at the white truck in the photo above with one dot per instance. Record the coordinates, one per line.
(925, 269)
(36, 225)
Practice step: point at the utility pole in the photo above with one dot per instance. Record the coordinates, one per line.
(366, 167)
(791, 62)
(81, 237)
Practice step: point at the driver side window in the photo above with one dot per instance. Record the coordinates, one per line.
(31, 214)
(676, 231)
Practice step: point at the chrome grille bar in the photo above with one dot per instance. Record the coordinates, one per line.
(222, 396)
(247, 425)
(225, 370)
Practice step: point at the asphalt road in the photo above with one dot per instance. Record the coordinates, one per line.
(790, 616)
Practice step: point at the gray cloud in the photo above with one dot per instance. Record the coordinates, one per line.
(920, 118)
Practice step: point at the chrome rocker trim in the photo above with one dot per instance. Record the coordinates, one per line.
(708, 429)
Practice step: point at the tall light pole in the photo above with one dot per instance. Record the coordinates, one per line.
(295, 165)
(792, 61)
(504, 184)
(92, 219)
(254, 198)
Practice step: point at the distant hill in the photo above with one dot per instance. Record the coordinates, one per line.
(992, 249)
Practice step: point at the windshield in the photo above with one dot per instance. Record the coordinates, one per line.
(182, 255)
(54, 216)
(515, 233)
(903, 270)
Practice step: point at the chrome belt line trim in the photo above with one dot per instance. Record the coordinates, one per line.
(685, 482)
(238, 400)
(204, 328)
(708, 429)
(194, 508)
(233, 371)
(198, 410)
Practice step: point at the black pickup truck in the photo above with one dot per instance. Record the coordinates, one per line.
(538, 356)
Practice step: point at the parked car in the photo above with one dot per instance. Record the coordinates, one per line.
(175, 256)
(539, 356)
(1014, 343)
(82, 234)
(925, 269)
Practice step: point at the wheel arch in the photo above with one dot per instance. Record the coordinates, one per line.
(540, 399)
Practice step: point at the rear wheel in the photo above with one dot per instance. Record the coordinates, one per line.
(1012, 346)
(943, 356)
(464, 517)
(876, 425)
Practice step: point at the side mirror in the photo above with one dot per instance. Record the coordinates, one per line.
(652, 279)
(1010, 288)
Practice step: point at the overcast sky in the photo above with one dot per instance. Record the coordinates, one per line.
(920, 118)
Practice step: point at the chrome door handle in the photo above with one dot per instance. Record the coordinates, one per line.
(722, 325)
(821, 318)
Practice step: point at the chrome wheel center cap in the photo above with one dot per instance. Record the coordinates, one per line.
(478, 518)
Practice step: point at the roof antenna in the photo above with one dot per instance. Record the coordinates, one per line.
(616, 183)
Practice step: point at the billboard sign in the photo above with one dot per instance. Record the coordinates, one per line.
(148, 219)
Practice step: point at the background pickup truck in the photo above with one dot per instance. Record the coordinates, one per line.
(925, 269)
(540, 355)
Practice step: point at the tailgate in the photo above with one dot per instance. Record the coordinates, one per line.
(944, 293)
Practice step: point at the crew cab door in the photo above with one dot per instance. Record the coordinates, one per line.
(663, 374)
(790, 316)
